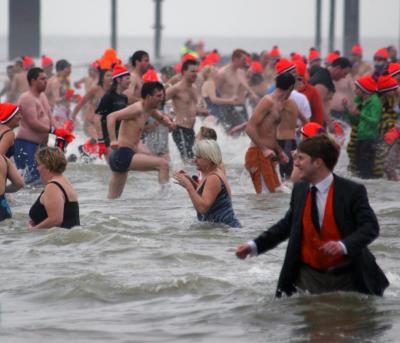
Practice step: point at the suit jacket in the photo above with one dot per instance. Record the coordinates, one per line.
(358, 226)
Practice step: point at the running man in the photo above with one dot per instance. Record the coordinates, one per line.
(264, 151)
(185, 97)
(125, 156)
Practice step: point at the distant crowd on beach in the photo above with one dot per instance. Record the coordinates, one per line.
(127, 111)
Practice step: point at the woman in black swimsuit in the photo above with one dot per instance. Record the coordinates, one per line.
(58, 204)
(9, 120)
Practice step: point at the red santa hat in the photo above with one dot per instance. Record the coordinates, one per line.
(119, 70)
(7, 112)
(284, 66)
(367, 84)
(386, 83)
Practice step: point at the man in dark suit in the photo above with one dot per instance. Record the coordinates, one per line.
(329, 225)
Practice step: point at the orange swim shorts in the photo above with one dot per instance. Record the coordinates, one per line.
(261, 167)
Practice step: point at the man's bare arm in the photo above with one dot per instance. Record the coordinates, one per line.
(127, 113)
(171, 92)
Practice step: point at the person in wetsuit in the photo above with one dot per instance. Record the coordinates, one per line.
(212, 198)
(112, 101)
(9, 120)
(58, 204)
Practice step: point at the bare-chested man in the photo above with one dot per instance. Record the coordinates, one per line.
(19, 82)
(35, 125)
(323, 79)
(185, 97)
(264, 151)
(56, 92)
(126, 157)
(140, 63)
(232, 82)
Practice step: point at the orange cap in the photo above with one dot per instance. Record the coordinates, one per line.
(356, 49)
(150, 75)
(313, 55)
(275, 52)
(382, 53)
(334, 55)
(311, 129)
(301, 68)
(27, 61)
(46, 61)
(257, 67)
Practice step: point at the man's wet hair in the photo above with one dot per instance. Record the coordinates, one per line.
(208, 133)
(150, 87)
(33, 74)
(284, 81)
(62, 64)
(342, 62)
(138, 56)
(188, 63)
(237, 53)
(323, 147)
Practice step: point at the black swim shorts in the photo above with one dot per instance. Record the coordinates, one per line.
(120, 159)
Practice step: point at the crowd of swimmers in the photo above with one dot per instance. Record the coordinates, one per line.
(127, 112)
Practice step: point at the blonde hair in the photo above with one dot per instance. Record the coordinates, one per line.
(52, 158)
(209, 150)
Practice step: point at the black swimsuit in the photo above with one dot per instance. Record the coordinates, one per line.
(38, 213)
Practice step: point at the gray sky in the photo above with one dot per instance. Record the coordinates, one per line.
(188, 18)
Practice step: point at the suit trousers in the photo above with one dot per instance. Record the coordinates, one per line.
(315, 282)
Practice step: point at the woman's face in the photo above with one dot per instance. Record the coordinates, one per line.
(108, 78)
(202, 164)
